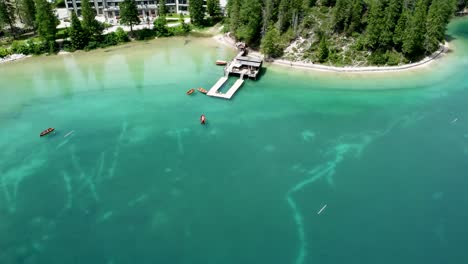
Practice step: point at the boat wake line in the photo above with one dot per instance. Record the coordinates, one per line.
(326, 170)
(349, 145)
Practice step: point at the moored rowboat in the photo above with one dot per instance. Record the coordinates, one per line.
(189, 92)
(202, 119)
(47, 131)
(201, 90)
(221, 62)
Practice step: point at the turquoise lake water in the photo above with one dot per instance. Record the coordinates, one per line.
(141, 181)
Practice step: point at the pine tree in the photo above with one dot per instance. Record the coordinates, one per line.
(234, 15)
(162, 8)
(28, 13)
(129, 13)
(267, 16)
(184, 27)
(437, 19)
(323, 50)
(296, 14)
(251, 22)
(328, 2)
(284, 15)
(7, 14)
(160, 27)
(340, 15)
(197, 12)
(416, 29)
(392, 14)
(271, 43)
(213, 8)
(308, 3)
(399, 32)
(92, 28)
(46, 22)
(356, 16)
(375, 24)
(77, 34)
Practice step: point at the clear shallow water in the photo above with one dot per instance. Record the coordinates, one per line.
(140, 181)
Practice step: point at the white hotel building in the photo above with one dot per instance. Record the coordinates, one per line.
(109, 9)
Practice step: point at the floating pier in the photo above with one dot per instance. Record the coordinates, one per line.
(242, 65)
(230, 93)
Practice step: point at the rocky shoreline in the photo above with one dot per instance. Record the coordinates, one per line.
(229, 41)
(13, 57)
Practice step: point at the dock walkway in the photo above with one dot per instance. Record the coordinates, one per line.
(230, 93)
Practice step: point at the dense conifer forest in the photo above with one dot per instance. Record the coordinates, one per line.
(343, 32)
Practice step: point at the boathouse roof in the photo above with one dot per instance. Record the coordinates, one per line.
(249, 61)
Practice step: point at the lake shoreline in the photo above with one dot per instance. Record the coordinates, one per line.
(444, 49)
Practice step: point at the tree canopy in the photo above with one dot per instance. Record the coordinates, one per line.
(213, 8)
(28, 12)
(129, 13)
(412, 28)
(46, 22)
(162, 8)
(7, 14)
(77, 34)
(92, 28)
(197, 12)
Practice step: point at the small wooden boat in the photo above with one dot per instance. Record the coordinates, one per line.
(221, 62)
(202, 119)
(189, 92)
(201, 90)
(47, 131)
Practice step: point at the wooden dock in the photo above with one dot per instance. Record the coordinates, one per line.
(243, 66)
(214, 90)
(230, 93)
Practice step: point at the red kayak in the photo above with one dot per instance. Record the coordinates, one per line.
(47, 131)
(202, 119)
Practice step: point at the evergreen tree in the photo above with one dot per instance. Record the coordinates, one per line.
(296, 14)
(184, 27)
(399, 32)
(308, 3)
(284, 16)
(160, 27)
(271, 43)
(129, 13)
(437, 19)
(7, 14)
(267, 15)
(328, 2)
(323, 50)
(213, 8)
(434, 27)
(356, 16)
(234, 15)
(162, 8)
(46, 23)
(416, 30)
(392, 14)
(77, 34)
(340, 15)
(197, 12)
(375, 24)
(251, 22)
(28, 13)
(92, 28)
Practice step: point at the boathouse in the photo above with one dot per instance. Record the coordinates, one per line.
(245, 66)
(242, 65)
